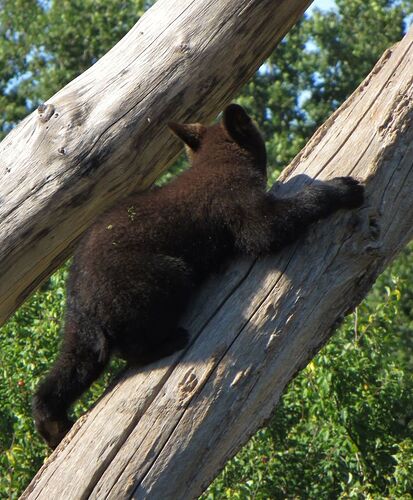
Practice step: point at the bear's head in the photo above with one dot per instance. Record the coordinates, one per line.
(235, 140)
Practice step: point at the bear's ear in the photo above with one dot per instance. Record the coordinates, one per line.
(238, 124)
(190, 133)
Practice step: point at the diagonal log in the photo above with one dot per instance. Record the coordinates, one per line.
(165, 432)
(104, 134)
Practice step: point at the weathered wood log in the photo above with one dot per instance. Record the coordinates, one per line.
(104, 134)
(164, 432)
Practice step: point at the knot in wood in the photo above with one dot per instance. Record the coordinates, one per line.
(365, 241)
(45, 111)
(184, 46)
(188, 383)
(373, 243)
(374, 227)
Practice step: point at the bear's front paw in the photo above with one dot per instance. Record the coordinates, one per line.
(349, 191)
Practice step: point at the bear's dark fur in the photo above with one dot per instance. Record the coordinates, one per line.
(138, 265)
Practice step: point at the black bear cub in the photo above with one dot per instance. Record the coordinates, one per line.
(137, 266)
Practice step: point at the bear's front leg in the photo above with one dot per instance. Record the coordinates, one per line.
(291, 216)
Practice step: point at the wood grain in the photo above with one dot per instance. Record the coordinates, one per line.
(166, 431)
(105, 133)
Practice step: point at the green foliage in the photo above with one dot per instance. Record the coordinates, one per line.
(28, 343)
(345, 44)
(315, 68)
(344, 427)
(45, 44)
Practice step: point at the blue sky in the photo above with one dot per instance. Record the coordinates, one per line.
(323, 4)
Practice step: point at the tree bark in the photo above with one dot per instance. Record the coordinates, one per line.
(164, 432)
(105, 133)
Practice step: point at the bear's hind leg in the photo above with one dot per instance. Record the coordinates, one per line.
(152, 330)
(81, 360)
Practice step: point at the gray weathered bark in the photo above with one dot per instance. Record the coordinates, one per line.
(165, 432)
(104, 134)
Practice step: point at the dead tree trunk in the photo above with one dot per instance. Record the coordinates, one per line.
(104, 134)
(165, 432)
